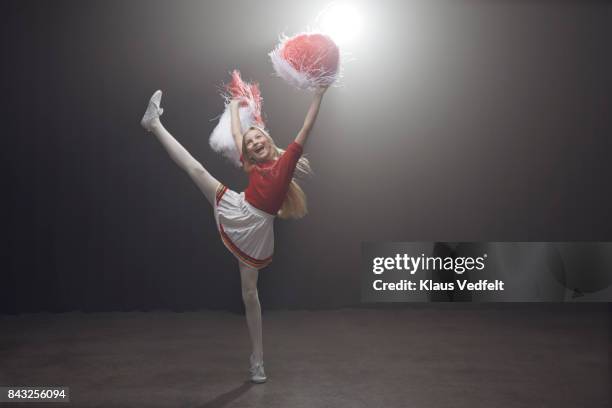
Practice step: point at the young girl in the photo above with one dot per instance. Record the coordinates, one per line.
(245, 220)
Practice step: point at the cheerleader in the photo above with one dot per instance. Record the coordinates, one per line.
(245, 220)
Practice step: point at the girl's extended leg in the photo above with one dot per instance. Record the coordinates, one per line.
(200, 176)
(205, 182)
(248, 278)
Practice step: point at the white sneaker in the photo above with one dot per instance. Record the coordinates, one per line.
(258, 374)
(153, 110)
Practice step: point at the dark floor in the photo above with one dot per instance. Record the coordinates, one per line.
(426, 356)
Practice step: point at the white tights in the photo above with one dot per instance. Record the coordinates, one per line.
(250, 297)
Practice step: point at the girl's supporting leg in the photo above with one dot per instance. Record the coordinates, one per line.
(248, 278)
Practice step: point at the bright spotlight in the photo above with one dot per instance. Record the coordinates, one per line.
(340, 21)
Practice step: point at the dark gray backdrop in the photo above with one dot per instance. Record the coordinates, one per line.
(458, 121)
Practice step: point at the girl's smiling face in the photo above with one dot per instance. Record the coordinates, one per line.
(258, 146)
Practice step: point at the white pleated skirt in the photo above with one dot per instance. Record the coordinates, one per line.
(246, 231)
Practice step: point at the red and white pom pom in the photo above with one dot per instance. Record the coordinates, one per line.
(221, 139)
(307, 61)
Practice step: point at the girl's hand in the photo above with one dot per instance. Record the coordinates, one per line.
(237, 102)
(320, 90)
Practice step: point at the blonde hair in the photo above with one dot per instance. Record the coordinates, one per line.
(294, 206)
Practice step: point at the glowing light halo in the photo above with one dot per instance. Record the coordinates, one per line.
(341, 21)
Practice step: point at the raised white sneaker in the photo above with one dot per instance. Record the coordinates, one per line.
(153, 110)
(258, 374)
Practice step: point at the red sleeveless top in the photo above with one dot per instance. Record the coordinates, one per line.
(269, 181)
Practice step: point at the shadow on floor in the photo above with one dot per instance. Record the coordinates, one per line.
(229, 396)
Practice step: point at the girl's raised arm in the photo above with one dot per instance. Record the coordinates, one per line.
(311, 116)
(236, 128)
